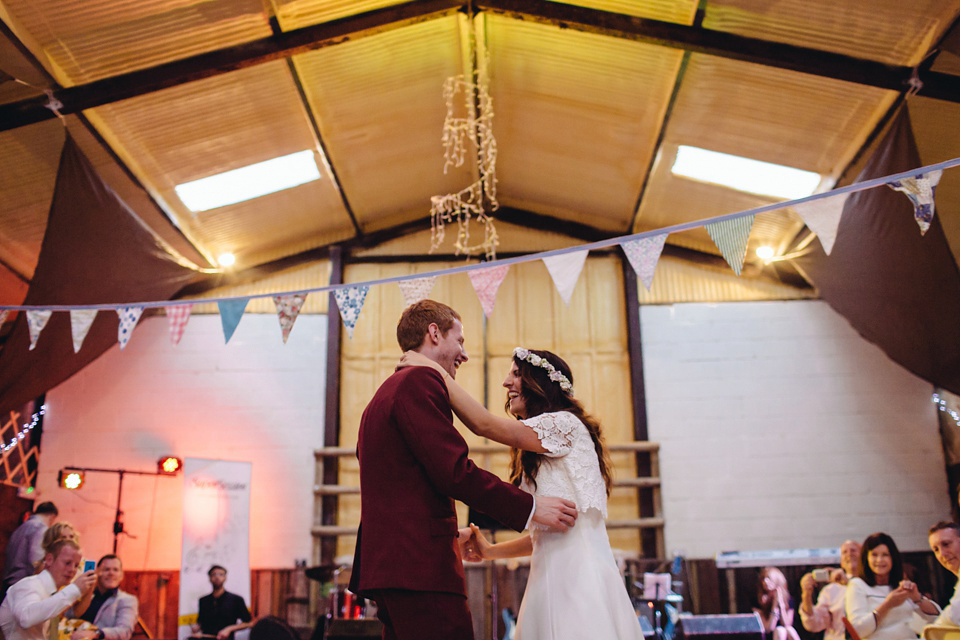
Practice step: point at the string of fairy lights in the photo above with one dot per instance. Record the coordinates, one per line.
(942, 405)
(27, 428)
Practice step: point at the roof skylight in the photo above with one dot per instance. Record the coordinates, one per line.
(744, 174)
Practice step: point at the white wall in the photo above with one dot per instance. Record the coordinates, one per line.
(780, 427)
(254, 399)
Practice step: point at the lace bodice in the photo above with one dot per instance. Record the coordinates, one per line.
(570, 468)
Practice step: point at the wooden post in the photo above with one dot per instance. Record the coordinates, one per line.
(638, 396)
(331, 423)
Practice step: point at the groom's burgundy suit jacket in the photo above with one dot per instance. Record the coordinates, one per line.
(413, 464)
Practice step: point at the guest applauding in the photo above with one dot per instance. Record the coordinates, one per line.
(775, 610)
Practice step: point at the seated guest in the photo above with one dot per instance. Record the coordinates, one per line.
(112, 611)
(827, 614)
(34, 601)
(221, 613)
(880, 604)
(945, 543)
(775, 609)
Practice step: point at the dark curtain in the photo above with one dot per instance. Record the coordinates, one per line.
(898, 289)
(95, 250)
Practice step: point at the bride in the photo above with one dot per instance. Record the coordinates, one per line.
(575, 589)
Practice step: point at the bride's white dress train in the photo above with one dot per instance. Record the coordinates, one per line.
(575, 590)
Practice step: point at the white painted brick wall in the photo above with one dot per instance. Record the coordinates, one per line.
(254, 399)
(780, 427)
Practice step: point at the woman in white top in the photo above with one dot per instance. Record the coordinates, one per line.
(574, 590)
(880, 604)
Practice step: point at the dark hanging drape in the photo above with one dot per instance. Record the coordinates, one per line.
(95, 250)
(898, 289)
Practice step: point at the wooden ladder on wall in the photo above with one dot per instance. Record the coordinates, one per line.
(651, 483)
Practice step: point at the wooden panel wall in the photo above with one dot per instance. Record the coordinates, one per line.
(590, 334)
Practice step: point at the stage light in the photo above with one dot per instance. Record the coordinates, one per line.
(765, 253)
(169, 465)
(70, 479)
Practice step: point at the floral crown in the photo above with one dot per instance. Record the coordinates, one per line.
(524, 354)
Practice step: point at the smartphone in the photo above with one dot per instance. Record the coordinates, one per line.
(89, 565)
(821, 575)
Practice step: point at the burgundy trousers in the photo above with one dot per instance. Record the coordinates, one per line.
(423, 615)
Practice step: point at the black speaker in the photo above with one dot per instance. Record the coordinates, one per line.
(738, 626)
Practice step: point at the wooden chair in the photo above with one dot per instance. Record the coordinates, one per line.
(851, 630)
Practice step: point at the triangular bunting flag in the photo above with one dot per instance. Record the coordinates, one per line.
(80, 321)
(643, 254)
(129, 317)
(288, 308)
(731, 237)
(36, 320)
(823, 217)
(920, 190)
(230, 313)
(416, 290)
(3, 315)
(486, 282)
(178, 315)
(350, 302)
(565, 270)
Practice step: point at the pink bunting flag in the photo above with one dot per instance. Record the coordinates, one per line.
(177, 316)
(486, 282)
(129, 317)
(288, 308)
(643, 254)
(416, 289)
(822, 216)
(565, 270)
(36, 320)
(80, 322)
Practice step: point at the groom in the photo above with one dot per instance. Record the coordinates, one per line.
(413, 464)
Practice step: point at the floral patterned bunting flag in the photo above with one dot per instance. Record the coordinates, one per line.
(36, 320)
(416, 289)
(731, 237)
(178, 315)
(350, 302)
(129, 317)
(920, 190)
(288, 308)
(230, 313)
(643, 254)
(823, 217)
(565, 270)
(486, 282)
(80, 323)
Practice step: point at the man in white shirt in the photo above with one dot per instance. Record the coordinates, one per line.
(827, 614)
(32, 602)
(944, 539)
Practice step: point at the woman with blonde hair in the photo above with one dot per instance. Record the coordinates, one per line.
(574, 589)
(775, 610)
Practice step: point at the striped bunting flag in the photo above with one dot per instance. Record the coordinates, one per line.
(731, 237)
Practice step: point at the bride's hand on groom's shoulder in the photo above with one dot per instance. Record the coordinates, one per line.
(415, 359)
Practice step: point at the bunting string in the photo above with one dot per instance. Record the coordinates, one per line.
(531, 257)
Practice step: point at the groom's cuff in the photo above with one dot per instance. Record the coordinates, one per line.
(532, 511)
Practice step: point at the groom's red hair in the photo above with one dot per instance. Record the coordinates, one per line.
(418, 317)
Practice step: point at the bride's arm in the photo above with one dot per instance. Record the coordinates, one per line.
(516, 548)
(507, 431)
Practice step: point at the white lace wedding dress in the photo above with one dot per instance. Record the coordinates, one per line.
(575, 590)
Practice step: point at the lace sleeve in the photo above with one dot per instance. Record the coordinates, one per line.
(556, 431)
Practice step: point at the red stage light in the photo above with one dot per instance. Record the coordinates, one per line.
(169, 465)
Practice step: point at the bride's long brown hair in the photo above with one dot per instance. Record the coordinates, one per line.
(542, 395)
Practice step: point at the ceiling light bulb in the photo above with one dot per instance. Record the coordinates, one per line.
(765, 252)
(227, 259)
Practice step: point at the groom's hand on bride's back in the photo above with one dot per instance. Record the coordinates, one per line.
(556, 513)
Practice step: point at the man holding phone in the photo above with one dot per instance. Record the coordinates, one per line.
(944, 541)
(112, 610)
(827, 614)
